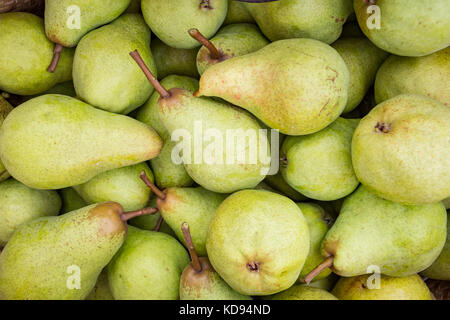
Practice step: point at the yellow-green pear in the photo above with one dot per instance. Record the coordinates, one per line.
(301, 292)
(237, 13)
(101, 289)
(71, 200)
(5, 109)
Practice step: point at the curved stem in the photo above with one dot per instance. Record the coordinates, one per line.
(158, 224)
(161, 195)
(327, 263)
(197, 35)
(133, 214)
(155, 83)
(56, 55)
(190, 245)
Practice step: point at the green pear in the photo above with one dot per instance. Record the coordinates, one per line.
(317, 19)
(363, 59)
(278, 183)
(440, 269)
(404, 27)
(404, 288)
(134, 7)
(171, 19)
(231, 41)
(325, 284)
(428, 76)
(71, 200)
(104, 75)
(152, 222)
(446, 203)
(147, 267)
(54, 141)
(400, 150)
(237, 13)
(298, 86)
(121, 185)
(300, 292)
(101, 289)
(26, 53)
(170, 60)
(20, 204)
(258, 242)
(5, 109)
(319, 165)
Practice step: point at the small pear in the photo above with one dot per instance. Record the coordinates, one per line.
(5, 109)
(237, 13)
(300, 292)
(101, 290)
(71, 200)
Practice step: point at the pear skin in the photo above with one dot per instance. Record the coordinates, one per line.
(5, 109)
(71, 200)
(101, 290)
(300, 292)
(237, 13)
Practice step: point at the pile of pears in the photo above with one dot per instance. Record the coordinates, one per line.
(347, 196)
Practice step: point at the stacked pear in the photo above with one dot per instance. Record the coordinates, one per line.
(5, 108)
(302, 292)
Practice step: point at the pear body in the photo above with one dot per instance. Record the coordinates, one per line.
(278, 183)
(171, 19)
(5, 109)
(428, 76)
(40, 258)
(66, 142)
(325, 283)
(134, 7)
(67, 21)
(237, 13)
(26, 54)
(300, 292)
(150, 221)
(20, 204)
(406, 28)
(147, 267)
(298, 86)
(258, 242)
(71, 200)
(104, 74)
(101, 290)
(319, 165)
(400, 150)
(370, 231)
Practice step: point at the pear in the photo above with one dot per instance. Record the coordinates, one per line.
(60, 258)
(71, 200)
(134, 7)
(428, 76)
(300, 292)
(170, 19)
(363, 59)
(237, 13)
(223, 148)
(258, 242)
(400, 240)
(446, 203)
(405, 288)
(152, 222)
(104, 75)
(406, 28)
(319, 165)
(147, 267)
(101, 289)
(64, 88)
(231, 41)
(317, 19)
(5, 109)
(326, 284)
(121, 185)
(20, 204)
(199, 280)
(65, 142)
(26, 53)
(400, 150)
(298, 86)
(170, 60)
(278, 183)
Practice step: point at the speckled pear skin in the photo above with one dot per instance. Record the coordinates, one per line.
(66, 142)
(5, 108)
(20, 204)
(206, 285)
(404, 288)
(92, 15)
(440, 269)
(319, 223)
(300, 292)
(298, 86)
(34, 264)
(196, 206)
(147, 267)
(122, 185)
(319, 165)
(71, 200)
(232, 41)
(370, 231)
(26, 53)
(317, 19)
(172, 61)
(237, 13)
(363, 59)
(105, 75)
(428, 76)
(101, 289)
(407, 28)
(170, 20)
(263, 229)
(400, 150)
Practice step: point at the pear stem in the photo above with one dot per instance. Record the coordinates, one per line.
(327, 263)
(155, 83)
(161, 195)
(133, 214)
(190, 245)
(197, 35)
(158, 224)
(56, 55)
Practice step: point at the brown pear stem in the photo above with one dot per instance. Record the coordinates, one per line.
(161, 195)
(56, 55)
(155, 83)
(197, 35)
(158, 224)
(190, 245)
(327, 263)
(133, 214)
